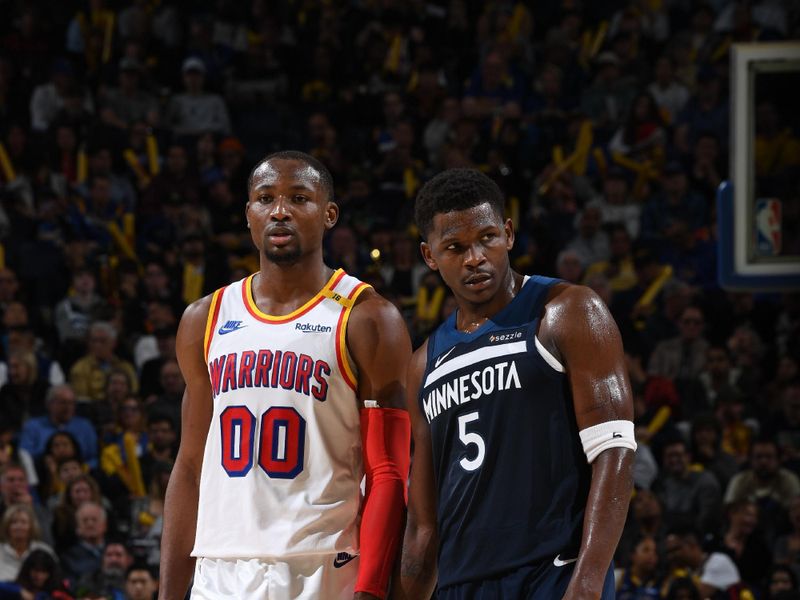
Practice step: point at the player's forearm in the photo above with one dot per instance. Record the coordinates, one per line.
(418, 564)
(180, 523)
(606, 510)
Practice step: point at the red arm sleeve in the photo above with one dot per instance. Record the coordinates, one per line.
(386, 440)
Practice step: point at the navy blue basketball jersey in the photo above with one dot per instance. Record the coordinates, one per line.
(511, 474)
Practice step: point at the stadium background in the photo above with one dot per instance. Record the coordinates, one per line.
(128, 131)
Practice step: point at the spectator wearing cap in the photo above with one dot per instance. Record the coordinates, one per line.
(196, 111)
(675, 202)
(60, 405)
(48, 98)
(128, 103)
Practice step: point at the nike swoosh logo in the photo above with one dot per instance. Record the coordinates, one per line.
(342, 559)
(616, 434)
(223, 330)
(560, 563)
(442, 357)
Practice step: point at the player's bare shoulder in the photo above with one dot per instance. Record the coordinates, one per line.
(570, 309)
(192, 330)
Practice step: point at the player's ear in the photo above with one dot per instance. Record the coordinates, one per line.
(508, 227)
(425, 249)
(331, 214)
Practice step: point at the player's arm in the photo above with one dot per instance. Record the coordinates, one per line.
(378, 342)
(578, 328)
(418, 569)
(180, 505)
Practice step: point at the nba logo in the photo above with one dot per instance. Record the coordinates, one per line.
(768, 226)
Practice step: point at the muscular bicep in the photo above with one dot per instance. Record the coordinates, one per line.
(379, 344)
(587, 341)
(196, 408)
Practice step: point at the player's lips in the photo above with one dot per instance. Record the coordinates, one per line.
(478, 280)
(280, 236)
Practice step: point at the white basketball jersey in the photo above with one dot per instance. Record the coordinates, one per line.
(282, 465)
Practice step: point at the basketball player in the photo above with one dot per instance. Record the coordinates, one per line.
(295, 390)
(521, 412)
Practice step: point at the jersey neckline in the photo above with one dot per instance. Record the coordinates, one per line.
(256, 312)
(489, 321)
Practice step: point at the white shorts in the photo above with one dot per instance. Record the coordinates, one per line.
(317, 577)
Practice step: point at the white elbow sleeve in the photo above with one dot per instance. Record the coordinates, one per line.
(611, 434)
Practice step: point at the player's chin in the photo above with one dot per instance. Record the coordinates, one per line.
(284, 255)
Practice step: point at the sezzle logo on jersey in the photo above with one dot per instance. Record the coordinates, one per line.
(269, 369)
(312, 328)
(507, 336)
(481, 382)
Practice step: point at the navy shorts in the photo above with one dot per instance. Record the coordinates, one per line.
(539, 581)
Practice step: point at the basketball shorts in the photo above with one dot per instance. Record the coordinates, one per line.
(539, 581)
(318, 576)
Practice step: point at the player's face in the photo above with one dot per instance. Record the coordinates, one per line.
(288, 210)
(470, 249)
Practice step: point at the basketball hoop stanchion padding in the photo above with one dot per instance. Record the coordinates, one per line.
(745, 272)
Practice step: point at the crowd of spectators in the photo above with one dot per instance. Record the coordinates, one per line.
(127, 132)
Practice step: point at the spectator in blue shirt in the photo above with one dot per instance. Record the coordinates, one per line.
(60, 404)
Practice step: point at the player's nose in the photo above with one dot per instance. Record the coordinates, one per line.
(280, 209)
(474, 256)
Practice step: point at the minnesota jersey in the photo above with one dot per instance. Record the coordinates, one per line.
(282, 465)
(510, 471)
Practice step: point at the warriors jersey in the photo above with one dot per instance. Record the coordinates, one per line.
(282, 466)
(511, 475)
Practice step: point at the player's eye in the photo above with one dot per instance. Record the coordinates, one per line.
(488, 237)
(299, 198)
(265, 198)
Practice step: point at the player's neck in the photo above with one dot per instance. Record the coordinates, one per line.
(279, 289)
(471, 316)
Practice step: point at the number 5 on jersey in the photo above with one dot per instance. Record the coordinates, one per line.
(280, 447)
(470, 439)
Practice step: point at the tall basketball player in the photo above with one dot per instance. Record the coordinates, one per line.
(521, 411)
(295, 391)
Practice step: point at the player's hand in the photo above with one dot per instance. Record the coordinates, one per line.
(364, 596)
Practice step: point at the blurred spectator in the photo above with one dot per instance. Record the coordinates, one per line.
(140, 583)
(172, 384)
(60, 448)
(643, 135)
(607, 100)
(688, 495)
(675, 202)
(591, 242)
(715, 571)
(74, 313)
(20, 535)
(783, 427)
(88, 375)
(60, 405)
(773, 486)
(39, 577)
(706, 449)
(128, 103)
(639, 580)
(196, 111)
(48, 98)
(23, 395)
(85, 555)
(80, 489)
(668, 92)
(683, 356)
(109, 579)
(569, 266)
(743, 542)
(15, 489)
(781, 580)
